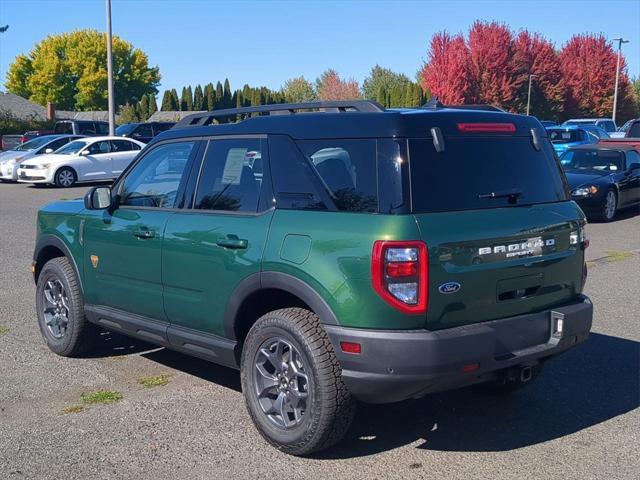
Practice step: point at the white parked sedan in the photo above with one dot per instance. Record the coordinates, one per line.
(11, 159)
(85, 160)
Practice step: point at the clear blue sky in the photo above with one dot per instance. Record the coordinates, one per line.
(265, 43)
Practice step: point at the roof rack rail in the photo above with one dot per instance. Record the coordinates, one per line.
(200, 119)
(435, 104)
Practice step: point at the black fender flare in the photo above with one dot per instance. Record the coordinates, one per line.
(50, 240)
(281, 281)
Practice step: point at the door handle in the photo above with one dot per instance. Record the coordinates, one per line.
(144, 233)
(232, 241)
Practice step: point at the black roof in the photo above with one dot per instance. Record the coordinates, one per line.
(347, 123)
(604, 146)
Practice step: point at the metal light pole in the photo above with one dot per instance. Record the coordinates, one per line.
(112, 115)
(529, 93)
(615, 91)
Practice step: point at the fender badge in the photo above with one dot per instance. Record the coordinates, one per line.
(94, 261)
(449, 287)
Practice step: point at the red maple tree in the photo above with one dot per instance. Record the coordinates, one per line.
(588, 66)
(492, 68)
(331, 87)
(446, 74)
(535, 55)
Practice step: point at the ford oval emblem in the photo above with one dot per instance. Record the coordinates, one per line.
(449, 287)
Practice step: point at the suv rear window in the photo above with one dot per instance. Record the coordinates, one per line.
(565, 136)
(470, 170)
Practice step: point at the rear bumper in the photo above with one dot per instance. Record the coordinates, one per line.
(397, 365)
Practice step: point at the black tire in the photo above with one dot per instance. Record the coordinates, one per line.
(329, 407)
(65, 177)
(606, 214)
(79, 335)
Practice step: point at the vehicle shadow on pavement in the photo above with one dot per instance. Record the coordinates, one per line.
(595, 382)
(112, 344)
(223, 376)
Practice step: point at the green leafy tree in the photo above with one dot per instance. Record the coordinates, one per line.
(386, 78)
(298, 89)
(70, 70)
(153, 106)
(128, 114)
(198, 98)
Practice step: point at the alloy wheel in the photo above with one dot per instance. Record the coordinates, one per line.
(56, 308)
(610, 205)
(281, 383)
(65, 178)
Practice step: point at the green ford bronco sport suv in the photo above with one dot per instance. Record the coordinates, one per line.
(331, 251)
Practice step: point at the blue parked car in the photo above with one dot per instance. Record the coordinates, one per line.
(565, 137)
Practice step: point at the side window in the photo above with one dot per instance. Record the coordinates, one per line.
(231, 175)
(121, 146)
(295, 184)
(632, 157)
(143, 130)
(56, 144)
(101, 128)
(348, 169)
(97, 148)
(155, 180)
(86, 128)
(161, 127)
(63, 127)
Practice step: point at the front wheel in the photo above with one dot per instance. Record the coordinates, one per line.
(292, 383)
(65, 177)
(60, 310)
(609, 206)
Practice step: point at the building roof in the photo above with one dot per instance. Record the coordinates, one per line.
(170, 116)
(21, 108)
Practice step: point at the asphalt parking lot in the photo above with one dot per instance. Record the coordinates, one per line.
(579, 420)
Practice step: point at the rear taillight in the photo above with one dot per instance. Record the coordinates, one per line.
(400, 273)
(486, 128)
(23, 139)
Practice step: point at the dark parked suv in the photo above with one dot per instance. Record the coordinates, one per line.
(332, 252)
(81, 127)
(143, 132)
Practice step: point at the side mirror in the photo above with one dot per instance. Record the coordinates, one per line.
(84, 152)
(97, 198)
(49, 150)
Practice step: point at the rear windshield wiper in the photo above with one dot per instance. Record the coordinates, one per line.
(512, 195)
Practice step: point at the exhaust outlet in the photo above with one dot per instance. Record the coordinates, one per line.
(526, 373)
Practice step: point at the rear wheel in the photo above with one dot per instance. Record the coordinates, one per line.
(292, 383)
(65, 177)
(60, 310)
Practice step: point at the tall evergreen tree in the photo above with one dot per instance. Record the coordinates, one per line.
(209, 97)
(186, 102)
(219, 96)
(198, 98)
(176, 99)
(381, 97)
(227, 100)
(144, 108)
(167, 102)
(153, 106)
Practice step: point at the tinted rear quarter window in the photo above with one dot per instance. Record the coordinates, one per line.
(470, 169)
(348, 169)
